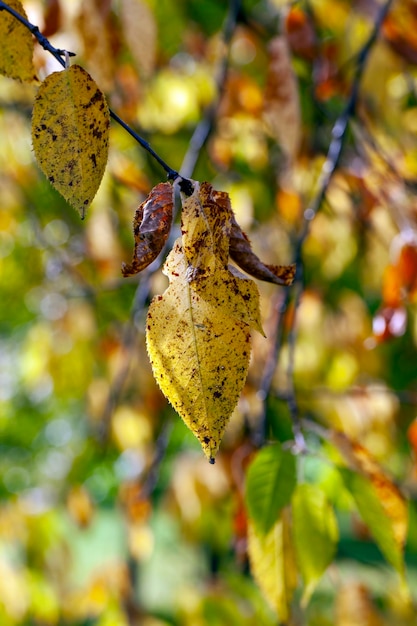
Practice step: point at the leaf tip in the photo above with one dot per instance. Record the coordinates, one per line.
(212, 460)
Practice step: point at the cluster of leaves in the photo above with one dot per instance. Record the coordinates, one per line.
(83, 424)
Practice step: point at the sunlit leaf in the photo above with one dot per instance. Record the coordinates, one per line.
(16, 49)
(199, 345)
(206, 226)
(270, 481)
(315, 534)
(151, 227)
(273, 565)
(70, 128)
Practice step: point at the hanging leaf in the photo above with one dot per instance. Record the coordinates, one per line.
(273, 565)
(70, 128)
(380, 509)
(206, 222)
(16, 50)
(386, 512)
(270, 482)
(241, 252)
(315, 534)
(198, 331)
(198, 343)
(140, 31)
(282, 106)
(151, 227)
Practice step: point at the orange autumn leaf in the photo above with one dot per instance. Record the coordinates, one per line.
(407, 266)
(400, 30)
(151, 227)
(391, 287)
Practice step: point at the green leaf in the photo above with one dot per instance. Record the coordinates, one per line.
(376, 517)
(315, 534)
(270, 482)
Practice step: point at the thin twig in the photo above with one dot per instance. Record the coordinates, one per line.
(59, 55)
(293, 294)
(204, 129)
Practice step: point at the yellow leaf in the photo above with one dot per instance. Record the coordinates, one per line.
(273, 565)
(70, 127)
(282, 106)
(198, 338)
(206, 228)
(16, 50)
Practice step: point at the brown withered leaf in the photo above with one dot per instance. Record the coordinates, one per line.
(151, 226)
(241, 252)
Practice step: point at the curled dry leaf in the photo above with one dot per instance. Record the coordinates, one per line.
(241, 252)
(151, 226)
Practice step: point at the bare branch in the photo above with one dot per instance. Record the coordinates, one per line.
(294, 293)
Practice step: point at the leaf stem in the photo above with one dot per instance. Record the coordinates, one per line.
(60, 56)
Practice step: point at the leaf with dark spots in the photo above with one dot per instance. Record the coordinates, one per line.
(241, 252)
(151, 227)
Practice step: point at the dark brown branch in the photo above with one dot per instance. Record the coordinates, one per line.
(294, 293)
(59, 55)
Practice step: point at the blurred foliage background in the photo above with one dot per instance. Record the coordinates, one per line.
(109, 513)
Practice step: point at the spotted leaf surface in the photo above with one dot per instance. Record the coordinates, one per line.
(16, 50)
(151, 227)
(198, 340)
(70, 128)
